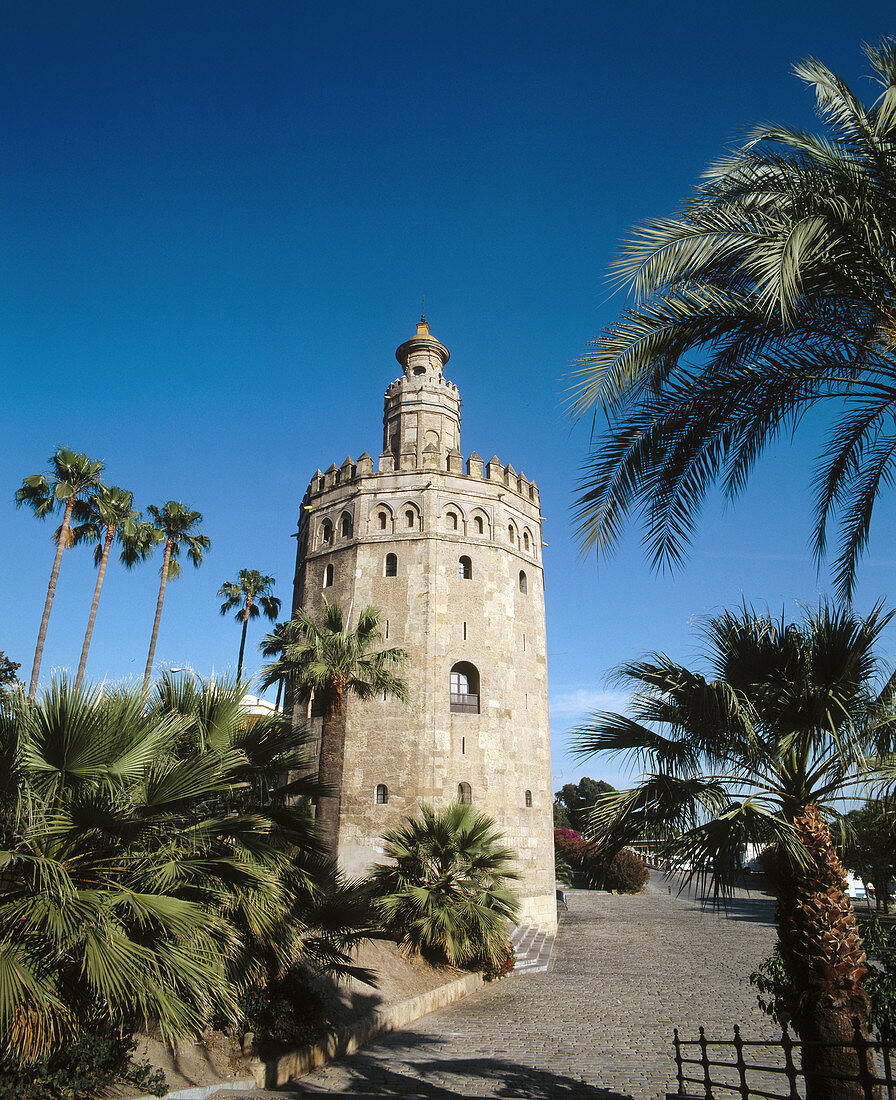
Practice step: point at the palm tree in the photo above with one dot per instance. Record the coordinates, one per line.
(330, 661)
(772, 291)
(71, 478)
(103, 516)
(153, 865)
(763, 752)
(445, 894)
(177, 525)
(251, 594)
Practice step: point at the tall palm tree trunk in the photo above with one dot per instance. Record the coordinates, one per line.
(155, 626)
(332, 754)
(239, 664)
(107, 546)
(824, 956)
(51, 592)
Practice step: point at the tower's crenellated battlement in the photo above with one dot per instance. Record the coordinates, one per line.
(449, 548)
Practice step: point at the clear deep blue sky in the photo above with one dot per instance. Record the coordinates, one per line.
(218, 220)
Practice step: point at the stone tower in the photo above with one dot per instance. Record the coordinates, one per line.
(451, 553)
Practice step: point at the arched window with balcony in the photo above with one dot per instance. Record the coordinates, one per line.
(465, 568)
(391, 565)
(464, 697)
(382, 794)
(328, 576)
(464, 794)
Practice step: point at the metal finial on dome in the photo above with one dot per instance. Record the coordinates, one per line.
(423, 308)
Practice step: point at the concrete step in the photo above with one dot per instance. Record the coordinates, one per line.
(533, 947)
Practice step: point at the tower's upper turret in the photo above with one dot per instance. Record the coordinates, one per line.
(422, 408)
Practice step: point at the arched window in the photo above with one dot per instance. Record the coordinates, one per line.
(326, 532)
(524, 582)
(391, 565)
(346, 529)
(464, 794)
(528, 798)
(465, 568)
(477, 522)
(383, 518)
(328, 576)
(452, 520)
(464, 698)
(409, 517)
(526, 541)
(382, 794)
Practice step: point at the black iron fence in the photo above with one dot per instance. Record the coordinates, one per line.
(760, 1067)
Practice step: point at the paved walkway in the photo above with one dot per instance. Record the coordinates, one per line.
(597, 1025)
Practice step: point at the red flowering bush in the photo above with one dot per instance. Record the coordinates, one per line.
(626, 872)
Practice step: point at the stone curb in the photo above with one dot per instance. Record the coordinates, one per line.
(348, 1039)
(298, 1063)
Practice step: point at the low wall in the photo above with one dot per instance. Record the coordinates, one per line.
(298, 1063)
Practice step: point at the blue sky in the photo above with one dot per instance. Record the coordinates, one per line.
(218, 223)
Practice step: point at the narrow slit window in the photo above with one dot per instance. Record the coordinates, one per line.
(387, 630)
(463, 746)
(465, 631)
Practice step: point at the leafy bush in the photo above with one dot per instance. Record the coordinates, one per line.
(625, 872)
(445, 894)
(86, 1068)
(288, 1013)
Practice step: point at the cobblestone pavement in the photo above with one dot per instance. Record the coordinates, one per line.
(598, 1024)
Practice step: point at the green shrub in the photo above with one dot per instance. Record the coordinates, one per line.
(446, 894)
(288, 1013)
(86, 1068)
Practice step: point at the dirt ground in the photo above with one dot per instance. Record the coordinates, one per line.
(214, 1057)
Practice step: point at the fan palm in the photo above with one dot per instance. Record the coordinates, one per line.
(177, 526)
(771, 292)
(446, 892)
(330, 661)
(762, 753)
(72, 477)
(152, 862)
(251, 593)
(103, 516)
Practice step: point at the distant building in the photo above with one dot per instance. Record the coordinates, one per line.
(451, 552)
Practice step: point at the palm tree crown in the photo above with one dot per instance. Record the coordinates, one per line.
(772, 291)
(71, 478)
(178, 527)
(330, 661)
(789, 724)
(250, 594)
